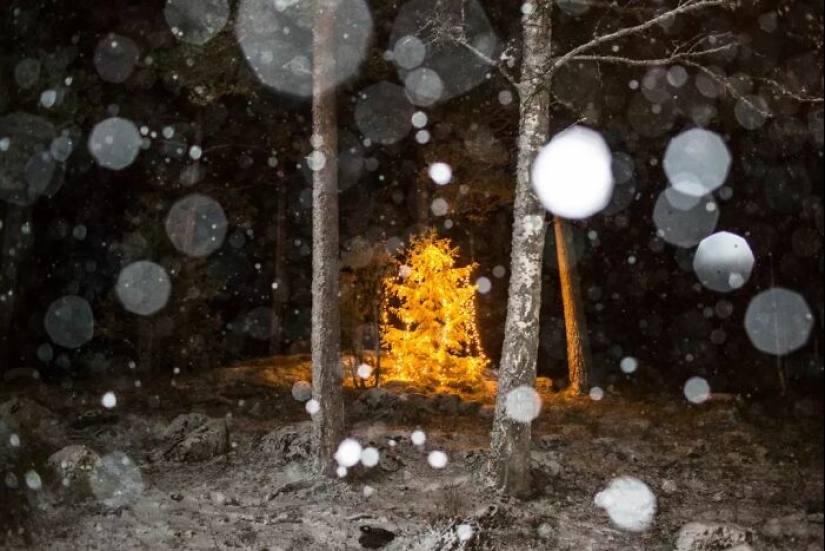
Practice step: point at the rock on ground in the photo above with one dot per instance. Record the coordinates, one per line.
(287, 444)
(184, 424)
(72, 467)
(204, 443)
(699, 536)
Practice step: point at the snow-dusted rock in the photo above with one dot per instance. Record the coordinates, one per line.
(72, 467)
(204, 443)
(447, 403)
(184, 424)
(287, 444)
(25, 413)
(700, 536)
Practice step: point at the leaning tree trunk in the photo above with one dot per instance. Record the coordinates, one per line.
(575, 321)
(327, 376)
(510, 453)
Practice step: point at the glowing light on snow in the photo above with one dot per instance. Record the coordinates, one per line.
(779, 321)
(115, 58)
(697, 390)
(349, 453)
(573, 174)
(419, 119)
(409, 52)
(313, 407)
(484, 285)
(437, 460)
(302, 391)
(419, 438)
(697, 162)
(684, 220)
(276, 40)
(441, 173)
(424, 87)
(316, 161)
(70, 322)
(61, 148)
(48, 98)
(597, 394)
(370, 457)
(109, 400)
(523, 404)
(143, 288)
(629, 365)
(33, 480)
(196, 21)
(196, 225)
(630, 504)
(364, 371)
(115, 143)
(440, 207)
(723, 262)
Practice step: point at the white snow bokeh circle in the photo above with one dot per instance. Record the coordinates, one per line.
(630, 503)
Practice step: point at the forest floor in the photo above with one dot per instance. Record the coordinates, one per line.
(748, 465)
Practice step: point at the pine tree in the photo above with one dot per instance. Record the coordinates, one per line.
(434, 339)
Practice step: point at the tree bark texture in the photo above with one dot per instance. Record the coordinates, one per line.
(327, 375)
(510, 452)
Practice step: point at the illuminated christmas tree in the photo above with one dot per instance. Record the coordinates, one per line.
(431, 332)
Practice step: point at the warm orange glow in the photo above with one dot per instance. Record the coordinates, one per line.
(430, 330)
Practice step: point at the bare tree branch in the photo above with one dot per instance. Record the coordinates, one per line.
(499, 64)
(685, 7)
(729, 86)
(670, 59)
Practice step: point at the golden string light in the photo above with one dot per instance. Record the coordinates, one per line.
(436, 305)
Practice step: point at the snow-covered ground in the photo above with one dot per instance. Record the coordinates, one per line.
(756, 470)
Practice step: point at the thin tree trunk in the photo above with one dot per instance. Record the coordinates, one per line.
(12, 255)
(279, 285)
(327, 374)
(510, 452)
(575, 320)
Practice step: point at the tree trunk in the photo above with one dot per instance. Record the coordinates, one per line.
(12, 255)
(510, 453)
(575, 320)
(279, 290)
(327, 375)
